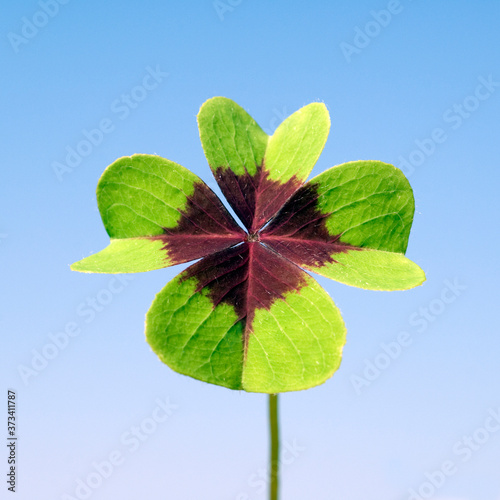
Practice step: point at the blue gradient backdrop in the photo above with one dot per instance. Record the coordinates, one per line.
(380, 427)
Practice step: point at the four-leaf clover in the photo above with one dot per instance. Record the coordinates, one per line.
(247, 315)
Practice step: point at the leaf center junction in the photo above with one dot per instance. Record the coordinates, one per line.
(253, 237)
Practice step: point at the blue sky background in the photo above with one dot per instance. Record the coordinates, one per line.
(376, 441)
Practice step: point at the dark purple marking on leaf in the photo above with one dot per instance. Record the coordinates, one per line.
(205, 227)
(299, 233)
(254, 198)
(248, 276)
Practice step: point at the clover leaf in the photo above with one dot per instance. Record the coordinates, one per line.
(247, 315)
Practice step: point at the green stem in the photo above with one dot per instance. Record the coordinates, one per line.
(275, 446)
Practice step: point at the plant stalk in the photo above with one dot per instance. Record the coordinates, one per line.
(275, 447)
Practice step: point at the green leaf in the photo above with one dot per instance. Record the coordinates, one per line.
(350, 224)
(295, 345)
(157, 214)
(372, 270)
(131, 255)
(255, 173)
(247, 319)
(369, 203)
(230, 137)
(297, 143)
(194, 338)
